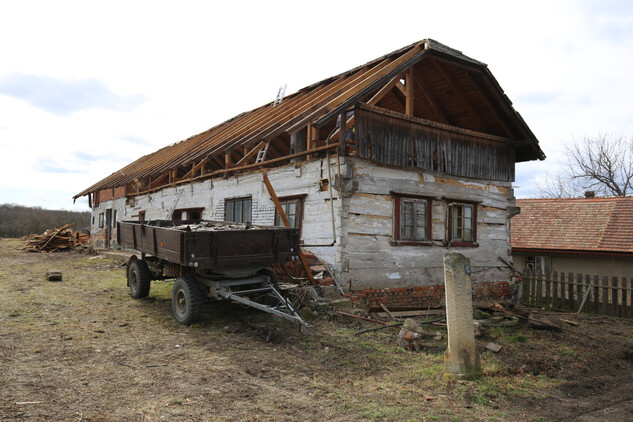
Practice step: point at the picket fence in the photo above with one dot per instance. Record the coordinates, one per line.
(606, 295)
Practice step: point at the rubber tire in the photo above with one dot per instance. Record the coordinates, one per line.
(186, 300)
(139, 278)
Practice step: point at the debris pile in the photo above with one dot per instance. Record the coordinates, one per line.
(54, 240)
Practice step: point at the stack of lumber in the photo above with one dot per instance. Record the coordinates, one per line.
(53, 240)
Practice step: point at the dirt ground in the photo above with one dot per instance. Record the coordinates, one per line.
(83, 350)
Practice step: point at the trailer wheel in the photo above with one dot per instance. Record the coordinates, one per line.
(139, 278)
(186, 299)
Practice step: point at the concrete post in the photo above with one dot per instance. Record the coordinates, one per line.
(461, 358)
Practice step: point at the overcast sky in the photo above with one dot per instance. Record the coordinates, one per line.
(87, 87)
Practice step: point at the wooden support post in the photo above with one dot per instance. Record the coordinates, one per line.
(570, 292)
(284, 218)
(409, 87)
(227, 160)
(341, 133)
(625, 302)
(313, 135)
(555, 291)
(596, 294)
(605, 295)
(548, 298)
(539, 288)
(614, 295)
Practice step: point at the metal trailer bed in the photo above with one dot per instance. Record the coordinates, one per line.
(219, 260)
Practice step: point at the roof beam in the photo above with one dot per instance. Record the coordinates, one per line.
(384, 90)
(458, 94)
(354, 93)
(489, 104)
(432, 101)
(246, 158)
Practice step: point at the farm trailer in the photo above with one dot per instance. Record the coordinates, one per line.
(218, 260)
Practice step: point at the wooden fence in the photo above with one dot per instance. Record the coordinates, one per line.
(571, 292)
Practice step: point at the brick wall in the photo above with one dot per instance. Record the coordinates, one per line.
(426, 295)
(109, 194)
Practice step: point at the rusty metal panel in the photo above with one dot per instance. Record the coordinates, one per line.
(213, 248)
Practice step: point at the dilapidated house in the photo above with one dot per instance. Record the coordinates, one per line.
(574, 235)
(384, 168)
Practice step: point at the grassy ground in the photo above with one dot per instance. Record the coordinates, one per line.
(83, 349)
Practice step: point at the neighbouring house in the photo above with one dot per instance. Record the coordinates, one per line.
(384, 168)
(579, 235)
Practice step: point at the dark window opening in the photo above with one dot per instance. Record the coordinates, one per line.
(238, 210)
(141, 215)
(187, 214)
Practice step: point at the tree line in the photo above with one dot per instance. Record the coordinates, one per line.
(18, 220)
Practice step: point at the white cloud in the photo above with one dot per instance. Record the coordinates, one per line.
(566, 65)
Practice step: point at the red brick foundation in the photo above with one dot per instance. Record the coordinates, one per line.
(426, 295)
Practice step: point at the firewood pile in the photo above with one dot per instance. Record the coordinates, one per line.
(53, 240)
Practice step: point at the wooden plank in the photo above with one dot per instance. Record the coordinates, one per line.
(605, 295)
(625, 299)
(284, 218)
(596, 294)
(614, 296)
(489, 104)
(253, 152)
(579, 290)
(548, 286)
(342, 130)
(410, 92)
(570, 293)
(539, 288)
(384, 90)
(555, 290)
(471, 110)
(525, 293)
(432, 101)
(625, 293)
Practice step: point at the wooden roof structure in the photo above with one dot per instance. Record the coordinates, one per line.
(426, 81)
(577, 225)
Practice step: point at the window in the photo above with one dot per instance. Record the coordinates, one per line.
(412, 219)
(101, 220)
(538, 263)
(238, 210)
(187, 214)
(293, 208)
(463, 224)
(141, 215)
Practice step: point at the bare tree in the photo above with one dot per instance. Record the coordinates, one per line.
(558, 184)
(603, 164)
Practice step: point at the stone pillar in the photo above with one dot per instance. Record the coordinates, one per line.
(461, 358)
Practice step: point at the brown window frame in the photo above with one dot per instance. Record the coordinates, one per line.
(456, 240)
(141, 215)
(398, 239)
(299, 199)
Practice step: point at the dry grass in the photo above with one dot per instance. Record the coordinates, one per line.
(83, 349)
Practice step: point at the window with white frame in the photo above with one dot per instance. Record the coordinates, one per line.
(463, 224)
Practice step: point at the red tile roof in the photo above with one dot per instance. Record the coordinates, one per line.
(578, 224)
